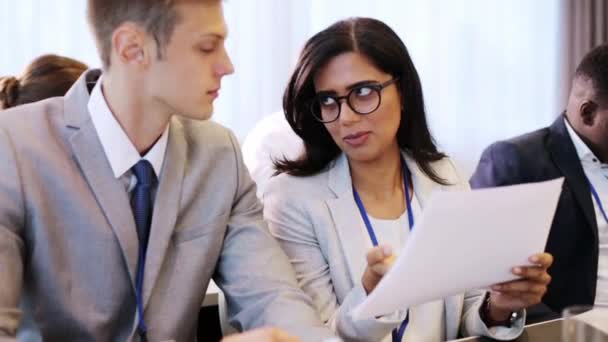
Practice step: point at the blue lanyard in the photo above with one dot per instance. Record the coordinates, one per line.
(397, 332)
(597, 200)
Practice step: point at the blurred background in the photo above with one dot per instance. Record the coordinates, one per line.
(490, 69)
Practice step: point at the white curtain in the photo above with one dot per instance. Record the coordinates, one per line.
(30, 28)
(490, 68)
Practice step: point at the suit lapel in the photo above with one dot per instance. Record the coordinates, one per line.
(166, 206)
(565, 157)
(354, 240)
(423, 185)
(90, 156)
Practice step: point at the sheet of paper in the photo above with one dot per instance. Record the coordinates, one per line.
(466, 240)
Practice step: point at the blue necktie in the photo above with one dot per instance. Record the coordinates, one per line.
(141, 204)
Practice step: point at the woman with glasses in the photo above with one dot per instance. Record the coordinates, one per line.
(342, 208)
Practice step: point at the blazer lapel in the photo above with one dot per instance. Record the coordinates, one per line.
(166, 206)
(423, 185)
(90, 156)
(348, 223)
(564, 154)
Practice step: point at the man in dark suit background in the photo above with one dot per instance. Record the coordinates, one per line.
(575, 146)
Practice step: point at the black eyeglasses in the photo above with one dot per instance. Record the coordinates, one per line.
(363, 99)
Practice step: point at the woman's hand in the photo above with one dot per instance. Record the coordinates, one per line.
(515, 295)
(379, 261)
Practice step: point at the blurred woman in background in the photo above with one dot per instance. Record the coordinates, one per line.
(46, 76)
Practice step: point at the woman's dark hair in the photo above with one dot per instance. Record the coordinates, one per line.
(381, 45)
(47, 76)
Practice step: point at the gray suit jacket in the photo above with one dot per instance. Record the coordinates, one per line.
(318, 224)
(68, 244)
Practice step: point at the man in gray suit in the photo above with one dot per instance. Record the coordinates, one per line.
(119, 201)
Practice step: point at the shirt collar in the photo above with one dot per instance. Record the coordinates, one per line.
(582, 150)
(119, 149)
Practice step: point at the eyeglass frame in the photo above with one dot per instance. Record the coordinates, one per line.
(377, 87)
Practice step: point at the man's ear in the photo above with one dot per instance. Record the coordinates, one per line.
(588, 110)
(128, 44)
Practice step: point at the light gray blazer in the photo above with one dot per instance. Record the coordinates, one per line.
(317, 222)
(68, 243)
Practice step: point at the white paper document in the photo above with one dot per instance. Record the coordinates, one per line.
(466, 240)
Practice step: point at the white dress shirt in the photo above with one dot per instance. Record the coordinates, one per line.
(118, 148)
(597, 174)
(426, 321)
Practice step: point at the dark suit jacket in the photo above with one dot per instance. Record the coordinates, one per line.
(543, 155)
